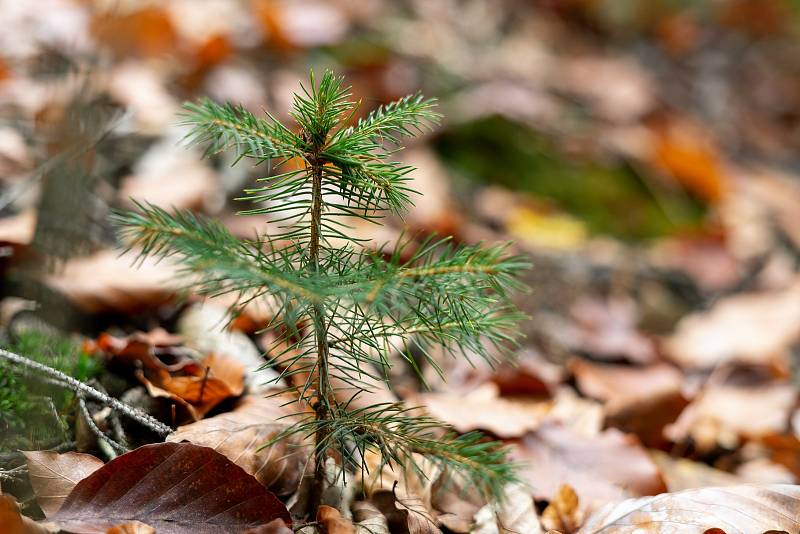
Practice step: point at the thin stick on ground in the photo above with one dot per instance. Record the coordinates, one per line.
(79, 387)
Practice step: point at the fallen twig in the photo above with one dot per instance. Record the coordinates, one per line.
(79, 387)
(117, 448)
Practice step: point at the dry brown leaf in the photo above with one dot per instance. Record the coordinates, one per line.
(13, 522)
(333, 522)
(686, 152)
(639, 400)
(131, 527)
(205, 329)
(516, 513)
(607, 329)
(682, 474)
(722, 415)
(18, 229)
(754, 328)
(239, 435)
(53, 475)
(218, 378)
(744, 509)
(106, 282)
(603, 468)
(621, 384)
(368, 519)
(402, 495)
(563, 513)
(146, 32)
(482, 409)
(531, 374)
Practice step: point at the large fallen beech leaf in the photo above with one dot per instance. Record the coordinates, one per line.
(240, 434)
(601, 469)
(745, 509)
(54, 475)
(177, 488)
(482, 409)
(752, 328)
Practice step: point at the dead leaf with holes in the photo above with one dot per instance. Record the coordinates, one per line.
(53, 475)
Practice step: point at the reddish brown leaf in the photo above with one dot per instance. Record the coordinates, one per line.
(54, 475)
(178, 488)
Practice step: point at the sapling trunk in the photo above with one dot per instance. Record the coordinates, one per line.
(322, 380)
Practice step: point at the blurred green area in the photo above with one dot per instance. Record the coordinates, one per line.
(33, 413)
(610, 199)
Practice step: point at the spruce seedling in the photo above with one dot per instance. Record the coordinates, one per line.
(342, 309)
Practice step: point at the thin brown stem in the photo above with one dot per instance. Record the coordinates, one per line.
(322, 383)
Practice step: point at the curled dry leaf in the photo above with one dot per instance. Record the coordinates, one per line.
(563, 513)
(53, 475)
(754, 328)
(13, 522)
(744, 509)
(178, 488)
(240, 435)
(205, 328)
(603, 468)
(368, 519)
(333, 522)
(514, 514)
(131, 527)
(403, 496)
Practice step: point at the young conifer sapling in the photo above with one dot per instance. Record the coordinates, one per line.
(344, 310)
